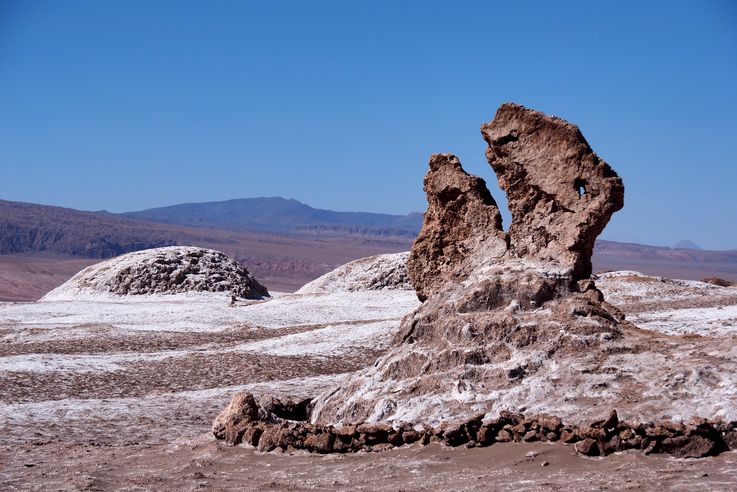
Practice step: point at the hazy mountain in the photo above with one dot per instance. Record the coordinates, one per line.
(276, 214)
(686, 244)
(685, 263)
(30, 228)
(35, 241)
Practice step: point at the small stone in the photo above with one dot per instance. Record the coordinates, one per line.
(587, 447)
(730, 439)
(649, 446)
(410, 436)
(396, 438)
(568, 436)
(626, 434)
(320, 443)
(520, 429)
(503, 436)
(616, 444)
(375, 433)
(455, 434)
(346, 430)
(530, 436)
(689, 446)
(550, 423)
(231, 423)
(658, 431)
(485, 435)
(611, 422)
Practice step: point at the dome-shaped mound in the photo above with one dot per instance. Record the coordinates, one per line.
(170, 270)
(380, 272)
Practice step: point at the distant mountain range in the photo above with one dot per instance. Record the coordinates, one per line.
(283, 242)
(282, 261)
(276, 214)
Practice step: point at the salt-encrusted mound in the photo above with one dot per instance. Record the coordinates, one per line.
(170, 270)
(380, 272)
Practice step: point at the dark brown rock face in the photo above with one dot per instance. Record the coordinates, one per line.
(461, 219)
(245, 420)
(560, 193)
(231, 422)
(254, 423)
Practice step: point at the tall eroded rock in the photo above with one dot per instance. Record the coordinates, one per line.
(560, 193)
(462, 218)
(507, 321)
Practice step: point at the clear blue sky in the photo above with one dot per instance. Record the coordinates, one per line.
(134, 104)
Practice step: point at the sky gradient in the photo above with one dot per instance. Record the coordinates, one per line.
(135, 104)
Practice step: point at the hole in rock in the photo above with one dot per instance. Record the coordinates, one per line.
(580, 185)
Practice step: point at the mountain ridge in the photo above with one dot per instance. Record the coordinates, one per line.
(43, 245)
(278, 214)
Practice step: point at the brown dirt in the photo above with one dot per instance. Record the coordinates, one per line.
(207, 465)
(26, 278)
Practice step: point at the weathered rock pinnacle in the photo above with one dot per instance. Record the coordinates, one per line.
(560, 193)
(500, 311)
(462, 218)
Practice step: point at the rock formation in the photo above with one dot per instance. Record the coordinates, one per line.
(462, 219)
(511, 325)
(169, 270)
(560, 193)
(271, 424)
(497, 308)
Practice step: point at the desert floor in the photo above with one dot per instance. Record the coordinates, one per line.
(119, 395)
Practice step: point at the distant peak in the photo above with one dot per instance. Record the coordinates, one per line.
(686, 244)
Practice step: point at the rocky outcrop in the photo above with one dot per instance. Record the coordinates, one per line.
(559, 192)
(170, 270)
(258, 424)
(498, 309)
(511, 324)
(462, 219)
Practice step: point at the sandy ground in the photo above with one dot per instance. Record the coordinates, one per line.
(205, 464)
(29, 278)
(103, 395)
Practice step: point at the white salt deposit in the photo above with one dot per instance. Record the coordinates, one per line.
(169, 270)
(381, 272)
(346, 312)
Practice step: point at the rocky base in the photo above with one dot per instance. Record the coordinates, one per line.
(273, 424)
